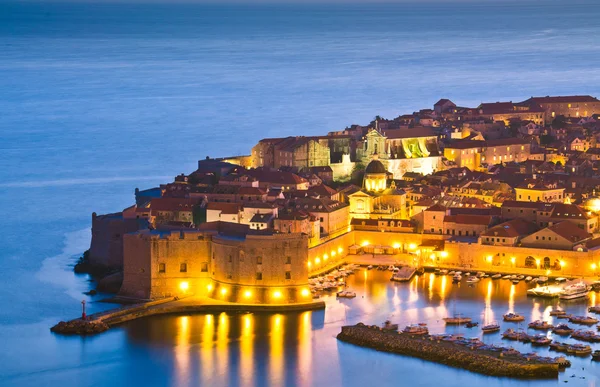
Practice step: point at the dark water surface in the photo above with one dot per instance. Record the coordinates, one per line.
(97, 99)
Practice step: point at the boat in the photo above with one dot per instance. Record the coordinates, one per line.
(596, 285)
(557, 346)
(490, 328)
(456, 278)
(596, 355)
(562, 329)
(497, 276)
(513, 317)
(564, 316)
(577, 290)
(560, 279)
(473, 279)
(506, 276)
(471, 324)
(416, 329)
(443, 272)
(540, 340)
(391, 267)
(557, 312)
(579, 349)
(458, 273)
(480, 274)
(467, 274)
(540, 325)
(590, 336)
(511, 334)
(346, 294)
(594, 309)
(388, 326)
(452, 272)
(528, 278)
(457, 320)
(542, 279)
(515, 282)
(369, 267)
(521, 277)
(585, 320)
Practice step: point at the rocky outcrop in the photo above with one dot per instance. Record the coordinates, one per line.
(446, 353)
(111, 283)
(79, 327)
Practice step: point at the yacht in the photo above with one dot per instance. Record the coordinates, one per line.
(513, 317)
(540, 325)
(585, 320)
(562, 329)
(596, 355)
(557, 312)
(490, 328)
(416, 329)
(577, 290)
(457, 320)
(540, 340)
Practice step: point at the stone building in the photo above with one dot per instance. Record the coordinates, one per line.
(227, 264)
(299, 152)
(536, 190)
(568, 106)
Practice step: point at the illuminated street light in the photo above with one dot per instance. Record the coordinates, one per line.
(184, 286)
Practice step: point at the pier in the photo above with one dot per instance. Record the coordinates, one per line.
(102, 321)
(488, 362)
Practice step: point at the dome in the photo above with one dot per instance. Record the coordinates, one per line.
(375, 166)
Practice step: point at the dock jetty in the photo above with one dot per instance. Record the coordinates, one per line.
(428, 347)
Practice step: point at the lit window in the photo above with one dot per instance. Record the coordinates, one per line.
(183, 268)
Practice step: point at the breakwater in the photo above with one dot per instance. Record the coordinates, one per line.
(448, 353)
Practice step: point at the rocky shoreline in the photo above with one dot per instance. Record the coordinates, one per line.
(427, 348)
(80, 327)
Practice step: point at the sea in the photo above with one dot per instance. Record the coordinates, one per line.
(100, 97)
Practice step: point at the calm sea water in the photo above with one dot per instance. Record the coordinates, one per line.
(97, 99)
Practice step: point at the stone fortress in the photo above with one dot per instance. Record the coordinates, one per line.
(253, 229)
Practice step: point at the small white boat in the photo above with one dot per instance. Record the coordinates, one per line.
(456, 278)
(467, 274)
(561, 279)
(506, 276)
(577, 290)
(528, 278)
(542, 279)
(452, 272)
(457, 320)
(521, 277)
(416, 329)
(459, 272)
(443, 272)
(490, 328)
(369, 267)
(473, 279)
(497, 276)
(346, 294)
(480, 274)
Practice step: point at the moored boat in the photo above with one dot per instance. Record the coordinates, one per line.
(490, 328)
(456, 278)
(594, 309)
(457, 320)
(585, 320)
(540, 340)
(577, 290)
(557, 312)
(540, 325)
(473, 279)
(579, 349)
(497, 276)
(528, 278)
(590, 336)
(416, 329)
(596, 355)
(562, 329)
(346, 294)
(513, 317)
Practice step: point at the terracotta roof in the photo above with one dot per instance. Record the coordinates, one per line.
(481, 220)
(225, 208)
(564, 99)
(276, 177)
(437, 208)
(512, 229)
(173, 204)
(569, 231)
(318, 205)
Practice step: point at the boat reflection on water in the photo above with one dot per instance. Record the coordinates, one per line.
(300, 348)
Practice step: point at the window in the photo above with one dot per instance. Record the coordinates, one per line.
(230, 259)
(204, 267)
(288, 275)
(183, 268)
(288, 260)
(259, 260)
(259, 276)
(162, 268)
